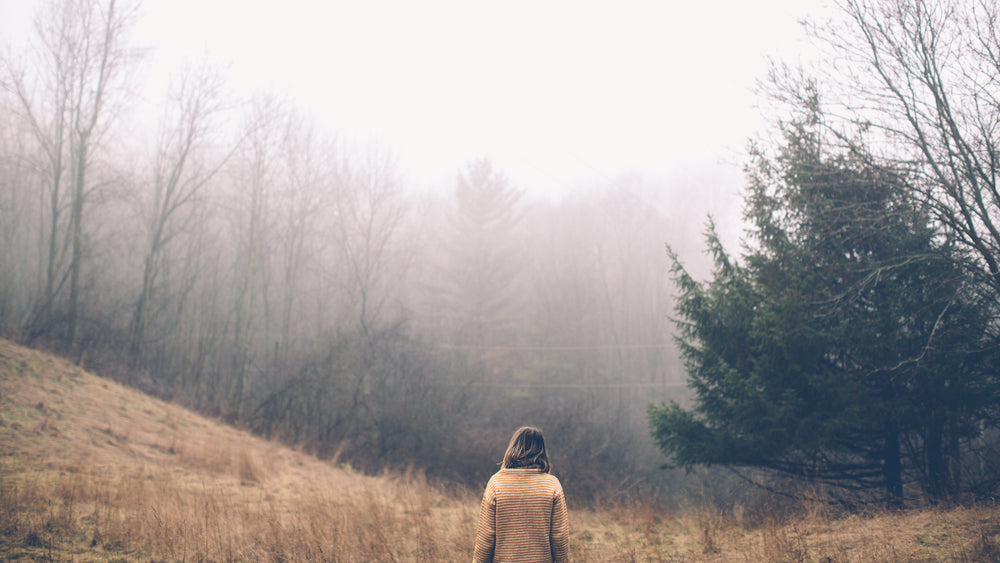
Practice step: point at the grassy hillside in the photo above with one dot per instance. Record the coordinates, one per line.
(93, 471)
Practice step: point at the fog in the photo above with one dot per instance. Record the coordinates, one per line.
(381, 259)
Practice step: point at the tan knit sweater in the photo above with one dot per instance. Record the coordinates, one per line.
(523, 517)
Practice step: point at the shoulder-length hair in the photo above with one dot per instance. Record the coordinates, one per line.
(526, 449)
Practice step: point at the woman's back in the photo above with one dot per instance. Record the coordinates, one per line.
(523, 517)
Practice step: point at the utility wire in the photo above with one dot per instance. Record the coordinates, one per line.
(595, 347)
(576, 385)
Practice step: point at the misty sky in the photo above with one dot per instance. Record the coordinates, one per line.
(556, 93)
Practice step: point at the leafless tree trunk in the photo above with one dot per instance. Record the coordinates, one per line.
(18, 185)
(369, 210)
(255, 184)
(82, 55)
(183, 167)
(43, 103)
(305, 168)
(101, 57)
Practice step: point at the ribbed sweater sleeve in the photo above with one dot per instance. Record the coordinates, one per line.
(559, 536)
(522, 517)
(486, 532)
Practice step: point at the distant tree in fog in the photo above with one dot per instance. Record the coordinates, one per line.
(254, 183)
(600, 285)
(184, 163)
(483, 257)
(306, 163)
(369, 209)
(20, 185)
(68, 97)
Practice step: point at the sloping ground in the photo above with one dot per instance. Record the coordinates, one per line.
(94, 471)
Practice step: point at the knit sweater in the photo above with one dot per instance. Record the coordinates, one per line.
(523, 517)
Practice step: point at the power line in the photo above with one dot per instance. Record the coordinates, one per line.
(543, 348)
(578, 385)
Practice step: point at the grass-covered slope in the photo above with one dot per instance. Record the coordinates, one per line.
(94, 471)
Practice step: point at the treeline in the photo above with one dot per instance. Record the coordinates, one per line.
(237, 258)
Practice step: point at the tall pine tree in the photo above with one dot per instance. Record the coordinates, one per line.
(483, 260)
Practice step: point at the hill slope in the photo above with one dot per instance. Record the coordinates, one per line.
(94, 471)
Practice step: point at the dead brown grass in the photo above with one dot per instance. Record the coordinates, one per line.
(93, 471)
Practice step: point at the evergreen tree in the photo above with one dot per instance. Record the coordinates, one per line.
(846, 348)
(482, 264)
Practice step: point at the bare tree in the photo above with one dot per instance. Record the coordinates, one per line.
(82, 57)
(305, 161)
(255, 181)
(915, 82)
(18, 212)
(184, 164)
(369, 210)
(43, 103)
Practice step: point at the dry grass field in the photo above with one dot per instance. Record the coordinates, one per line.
(94, 471)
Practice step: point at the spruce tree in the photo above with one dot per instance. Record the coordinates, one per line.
(846, 346)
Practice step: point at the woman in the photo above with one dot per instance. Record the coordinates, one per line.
(523, 516)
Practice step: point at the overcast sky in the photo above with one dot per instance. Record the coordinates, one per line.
(556, 93)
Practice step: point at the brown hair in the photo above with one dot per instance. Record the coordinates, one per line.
(526, 449)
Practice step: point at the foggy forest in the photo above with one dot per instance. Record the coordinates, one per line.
(249, 264)
(236, 257)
